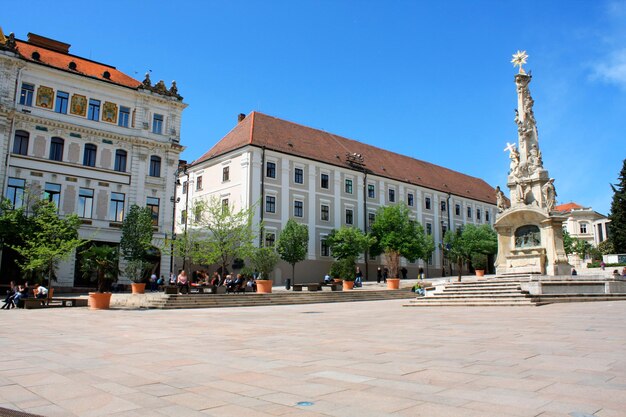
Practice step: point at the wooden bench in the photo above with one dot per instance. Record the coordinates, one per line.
(334, 286)
(309, 287)
(32, 303)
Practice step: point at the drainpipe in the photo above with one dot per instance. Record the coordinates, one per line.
(262, 205)
(365, 222)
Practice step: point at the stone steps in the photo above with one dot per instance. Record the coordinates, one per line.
(178, 301)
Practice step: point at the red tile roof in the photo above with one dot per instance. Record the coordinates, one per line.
(86, 67)
(282, 136)
(566, 208)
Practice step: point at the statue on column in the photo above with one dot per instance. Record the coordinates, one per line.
(500, 201)
(549, 194)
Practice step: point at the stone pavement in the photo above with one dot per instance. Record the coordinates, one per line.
(347, 359)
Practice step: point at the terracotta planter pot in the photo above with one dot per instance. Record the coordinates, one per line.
(137, 288)
(264, 286)
(348, 285)
(393, 283)
(99, 300)
(480, 272)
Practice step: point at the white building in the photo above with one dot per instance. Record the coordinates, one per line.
(584, 223)
(326, 181)
(87, 136)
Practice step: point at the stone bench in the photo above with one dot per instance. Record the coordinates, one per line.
(309, 287)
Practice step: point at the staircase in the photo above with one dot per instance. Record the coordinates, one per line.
(180, 301)
(500, 292)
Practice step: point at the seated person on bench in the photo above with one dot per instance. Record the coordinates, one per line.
(41, 291)
(182, 282)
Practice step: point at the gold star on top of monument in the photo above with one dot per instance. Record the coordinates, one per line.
(519, 59)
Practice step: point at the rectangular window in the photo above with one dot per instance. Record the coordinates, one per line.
(26, 96)
(270, 169)
(52, 193)
(469, 212)
(185, 187)
(392, 195)
(371, 191)
(155, 166)
(348, 186)
(225, 174)
(199, 183)
(409, 199)
(124, 116)
(153, 204)
(325, 249)
(116, 207)
(457, 209)
(487, 215)
(93, 112)
(298, 209)
(270, 204)
(443, 206)
(325, 213)
(15, 192)
(225, 206)
(371, 218)
(61, 104)
(429, 229)
(298, 176)
(444, 229)
(583, 228)
(183, 216)
(478, 214)
(270, 239)
(349, 216)
(20, 143)
(427, 203)
(157, 124)
(56, 149)
(85, 203)
(89, 157)
(120, 160)
(324, 181)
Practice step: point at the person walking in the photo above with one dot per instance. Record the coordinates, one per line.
(358, 281)
(379, 274)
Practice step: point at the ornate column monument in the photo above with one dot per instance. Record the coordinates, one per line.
(530, 233)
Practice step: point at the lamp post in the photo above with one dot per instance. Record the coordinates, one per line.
(356, 161)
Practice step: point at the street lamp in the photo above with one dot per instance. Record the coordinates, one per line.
(356, 161)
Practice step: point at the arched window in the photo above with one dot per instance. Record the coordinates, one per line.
(89, 157)
(527, 237)
(155, 166)
(56, 149)
(120, 160)
(20, 144)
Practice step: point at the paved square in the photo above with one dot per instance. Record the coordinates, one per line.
(349, 359)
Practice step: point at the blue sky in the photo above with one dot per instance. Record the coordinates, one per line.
(432, 80)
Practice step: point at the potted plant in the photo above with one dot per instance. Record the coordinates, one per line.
(335, 272)
(103, 261)
(135, 242)
(347, 270)
(135, 272)
(479, 262)
(346, 245)
(264, 261)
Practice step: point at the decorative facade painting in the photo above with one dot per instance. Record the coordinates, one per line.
(109, 112)
(45, 97)
(78, 105)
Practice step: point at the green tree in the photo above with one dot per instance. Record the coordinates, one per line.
(264, 261)
(399, 236)
(568, 242)
(49, 239)
(346, 245)
(606, 247)
(293, 244)
(617, 227)
(136, 239)
(459, 245)
(221, 233)
(103, 260)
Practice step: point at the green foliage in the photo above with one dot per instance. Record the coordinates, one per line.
(459, 245)
(617, 227)
(397, 235)
(606, 247)
(479, 261)
(344, 269)
(136, 233)
(104, 261)
(135, 269)
(596, 264)
(47, 238)
(221, 233)
(349, 242)
(264, 261)
(568, 242)
(293, 244)
(580, 247)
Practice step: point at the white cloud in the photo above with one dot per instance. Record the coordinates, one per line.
(612, 69)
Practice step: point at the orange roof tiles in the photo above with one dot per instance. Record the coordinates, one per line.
(566, 208)
(286, 137)
(84, 66)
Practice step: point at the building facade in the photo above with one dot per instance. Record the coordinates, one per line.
(584, 223)
(88, 137)
(289, 171)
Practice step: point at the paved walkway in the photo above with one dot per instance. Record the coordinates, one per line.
(347, 359)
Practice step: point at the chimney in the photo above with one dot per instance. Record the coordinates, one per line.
(240, 117)
(48, 43)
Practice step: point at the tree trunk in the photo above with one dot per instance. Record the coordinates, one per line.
(460, 265)
(293, 273)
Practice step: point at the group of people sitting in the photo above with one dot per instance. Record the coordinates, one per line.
(232, 284)
(15, 293)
